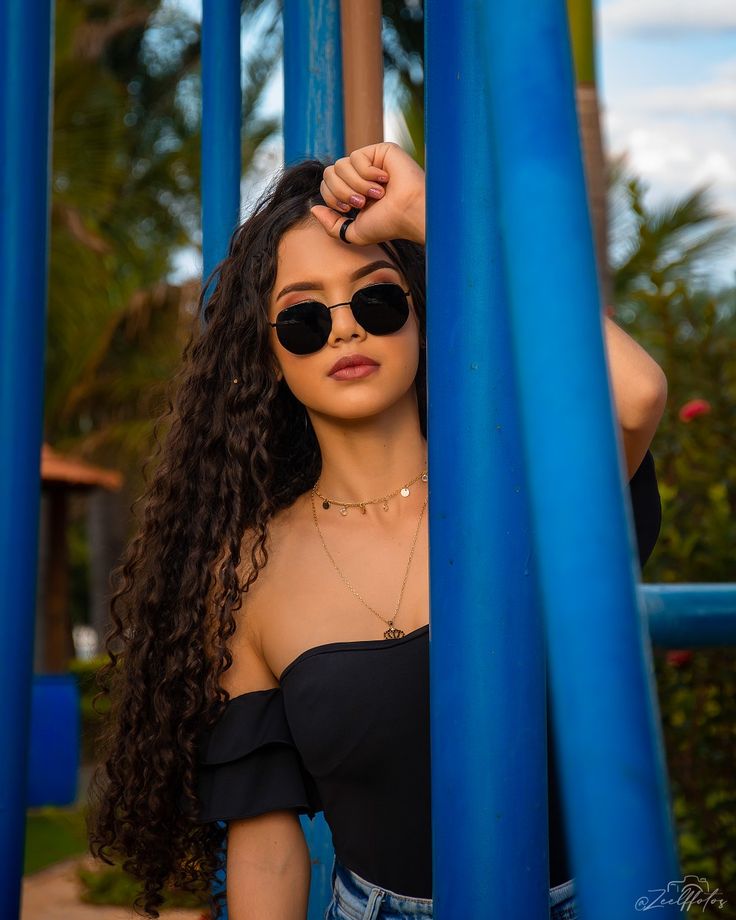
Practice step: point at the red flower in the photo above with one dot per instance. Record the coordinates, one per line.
(679, 657)
(693, 409)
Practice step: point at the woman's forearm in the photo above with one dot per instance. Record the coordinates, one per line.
(268, 868)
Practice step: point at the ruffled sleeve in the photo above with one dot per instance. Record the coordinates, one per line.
(647, 507)
(249, 764)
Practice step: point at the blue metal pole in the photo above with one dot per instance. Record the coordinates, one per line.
(314, 127)
(221, 117)
(487, 692)
(221, 150)
(608, 732)
(25, 106)
(313, 98)
(690, 616)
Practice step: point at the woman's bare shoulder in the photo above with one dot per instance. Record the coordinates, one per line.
(284, 530)
(261, 600)
(265, 595)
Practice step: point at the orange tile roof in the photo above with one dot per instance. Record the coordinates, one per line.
(56, 468)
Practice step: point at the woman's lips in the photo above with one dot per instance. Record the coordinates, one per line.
(357, 370)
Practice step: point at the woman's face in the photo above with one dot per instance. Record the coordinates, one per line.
(307, 254)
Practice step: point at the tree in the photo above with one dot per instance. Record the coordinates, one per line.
(125, 199)
(662, 291)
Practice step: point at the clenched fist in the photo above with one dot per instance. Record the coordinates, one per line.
(386, 186)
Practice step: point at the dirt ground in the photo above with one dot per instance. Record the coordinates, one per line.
(53, 894)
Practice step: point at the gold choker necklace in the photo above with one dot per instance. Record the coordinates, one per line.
(404, 490)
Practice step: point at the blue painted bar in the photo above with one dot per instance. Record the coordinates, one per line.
(221, 119)
(608, 733)
(25, 102)
(488, 725)
(314, 127)
(55, 736)
(318, 835)
(221, 150)
(313, 99)
(690, 615)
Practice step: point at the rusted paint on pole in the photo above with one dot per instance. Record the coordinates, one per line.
(362, 72)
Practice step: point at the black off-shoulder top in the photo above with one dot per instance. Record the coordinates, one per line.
(347, 733)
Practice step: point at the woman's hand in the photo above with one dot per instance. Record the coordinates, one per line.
(386, 186)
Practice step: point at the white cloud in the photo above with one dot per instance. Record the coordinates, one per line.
(714, 96)
(672, 156)
(678, 137)
(663, 17)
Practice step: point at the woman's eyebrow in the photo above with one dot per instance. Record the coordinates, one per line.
(316, 286)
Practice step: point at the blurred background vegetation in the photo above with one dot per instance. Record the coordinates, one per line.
(125, 207)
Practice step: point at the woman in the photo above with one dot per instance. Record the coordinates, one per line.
(295, 472)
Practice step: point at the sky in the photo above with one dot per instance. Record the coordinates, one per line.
(667, 87)
(667, 81)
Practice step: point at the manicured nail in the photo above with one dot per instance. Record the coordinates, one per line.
(343, 206)
(357, 200)
(375, 192)
(382, 179)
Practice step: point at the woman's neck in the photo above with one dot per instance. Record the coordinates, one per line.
(370, 457)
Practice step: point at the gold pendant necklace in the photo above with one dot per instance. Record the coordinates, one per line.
(393, 632)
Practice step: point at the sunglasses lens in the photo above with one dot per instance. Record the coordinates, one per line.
(381, 308)
(305, 327)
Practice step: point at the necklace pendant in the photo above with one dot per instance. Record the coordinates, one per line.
(425, 477)
(385, 506)
(325, 504)
(393, 632)
(362, 509)
(343, 511)
(405, 491)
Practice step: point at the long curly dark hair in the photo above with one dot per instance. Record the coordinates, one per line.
(233, 455)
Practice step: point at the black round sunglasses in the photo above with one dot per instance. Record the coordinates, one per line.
(380, 309)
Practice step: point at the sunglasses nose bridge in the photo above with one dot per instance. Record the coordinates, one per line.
(347, 303)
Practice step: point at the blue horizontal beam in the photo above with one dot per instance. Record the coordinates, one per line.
(690, 616)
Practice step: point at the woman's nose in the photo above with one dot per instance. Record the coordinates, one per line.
(344, 324)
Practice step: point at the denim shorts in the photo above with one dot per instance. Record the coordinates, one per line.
(353, 898)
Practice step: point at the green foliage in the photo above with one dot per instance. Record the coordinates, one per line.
(697, 701)
(125, 200)
(689, 328)
(112, 885)
(92, 716)
(120, 160)
(79, 550)
(53, 834)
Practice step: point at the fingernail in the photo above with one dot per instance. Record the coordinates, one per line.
(343, 206)
(382, 179)
(357, 200)
(375, 192)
